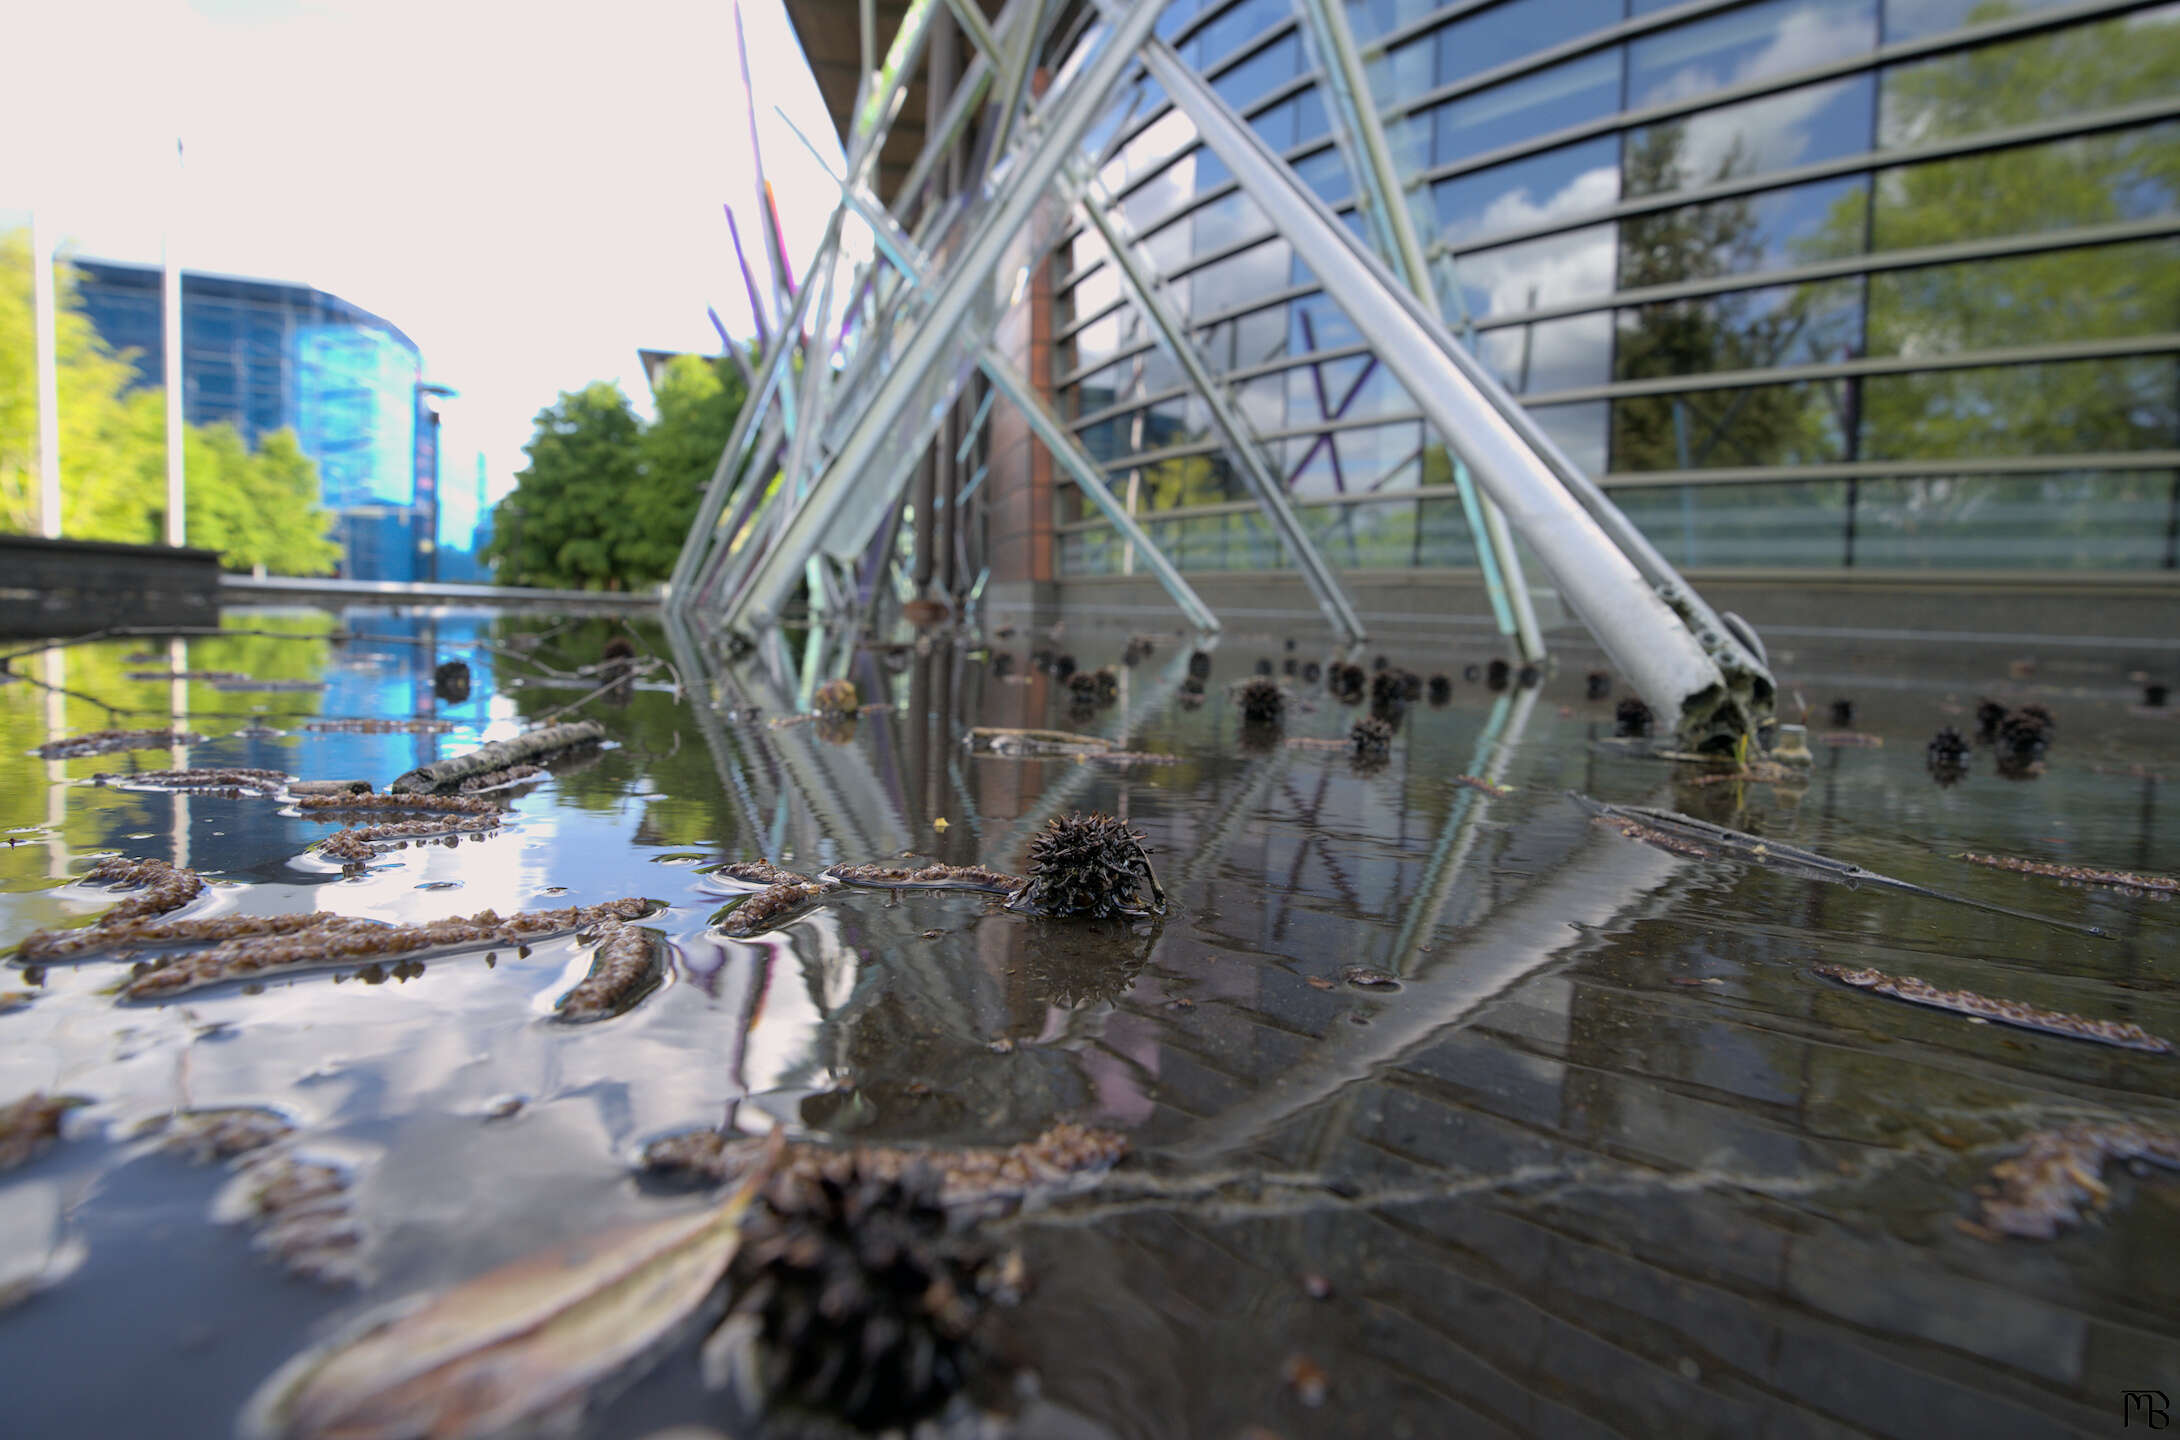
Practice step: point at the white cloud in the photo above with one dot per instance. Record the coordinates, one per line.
(530, 192)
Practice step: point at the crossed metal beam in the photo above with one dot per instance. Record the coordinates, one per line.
(920, 320)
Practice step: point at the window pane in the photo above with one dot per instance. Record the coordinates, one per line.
(1745, 45)
(1746, 330)
(1251, 18)
(1800, 127)
(1371, 18)
(1569, 94)
(1555, 270)
(1553, 355)
(2078, 407)
(2109, 521)
(1791, 526)
(1260, 74)
(1490, 38)
(1800, 424)
(1913, 19)
(1090, 552)
(1185, 481)
(1319, 324)
(2090, 180)
(2041, 77)
(2102, 292)
(1539, 190)
(1750, 233)
(1238, 279)
(1364, 537)
(1579, 430)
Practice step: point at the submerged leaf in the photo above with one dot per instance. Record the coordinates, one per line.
(510, 1347)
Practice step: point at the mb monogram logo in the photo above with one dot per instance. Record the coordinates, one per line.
(2143, 1407)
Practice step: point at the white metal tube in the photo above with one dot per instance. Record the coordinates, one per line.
(44, 302)
(171, 331)
(998, 229)
(1636, 627)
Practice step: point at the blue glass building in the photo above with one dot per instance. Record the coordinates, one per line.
(263, 356)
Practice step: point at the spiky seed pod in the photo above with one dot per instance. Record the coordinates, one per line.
(1988, 715)
(1948, 748)
(1082, 688)
(1311, 674)
(1063, 666)
(1378, 664)
(1388, 688)
(1596, 685)
(1262, 702)
(1471, 674)
(1411, 685)
(1089, 865)
(1371, 738)
(862, 1298)
(1497, 673)
(2154, 695)
(1264, 666)
(1002, 664)
(1347, 682)
(1528, 676)
(1631, 717)
(450, 682)
(1107, 681)
(1441, 690)
(1199, 665)
(1843, 713)
(2025, 734)
(836, 697)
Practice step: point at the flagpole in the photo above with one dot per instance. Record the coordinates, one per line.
(171, 284)
(49, 387)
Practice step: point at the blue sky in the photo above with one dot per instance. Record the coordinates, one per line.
(531, 191)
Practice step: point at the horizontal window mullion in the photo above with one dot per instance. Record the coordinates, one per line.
(2161, 344)
(1963, 39)
(2142, 113)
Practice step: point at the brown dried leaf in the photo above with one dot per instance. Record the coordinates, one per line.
(510, 1347)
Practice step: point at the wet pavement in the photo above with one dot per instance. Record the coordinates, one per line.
(1451, 1111)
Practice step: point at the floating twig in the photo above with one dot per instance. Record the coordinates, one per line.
(123, 939)
(761, 872)
(225, 783)
(355, 846)
(2124, 1034)
(929, 877)
(768, 908)
(969, 1178)
(163, 888)
(330, 806)
(343, 939)
(500, 754)
(628, 965)
(106, 742)
(1483, 786)
(419, 725)
(2078, 874)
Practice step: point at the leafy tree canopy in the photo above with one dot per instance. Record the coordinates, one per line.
(256, 508)
(606, 499)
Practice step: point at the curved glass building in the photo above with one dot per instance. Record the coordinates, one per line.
(1808, 285)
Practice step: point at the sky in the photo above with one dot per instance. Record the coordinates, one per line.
(530, 191)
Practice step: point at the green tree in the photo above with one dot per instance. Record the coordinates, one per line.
(698, 401)
(606, 501)
(254, 508)
(560, 524)
(1748, 330)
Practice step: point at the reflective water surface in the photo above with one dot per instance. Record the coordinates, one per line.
(1598, 1154)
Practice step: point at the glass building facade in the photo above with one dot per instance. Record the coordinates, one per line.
(1807, 284)
(262, 357)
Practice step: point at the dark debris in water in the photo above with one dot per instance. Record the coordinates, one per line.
(2041, 1191)
(628, 964)
(31, 1125)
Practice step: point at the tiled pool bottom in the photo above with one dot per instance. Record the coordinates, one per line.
(1603, 1154)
